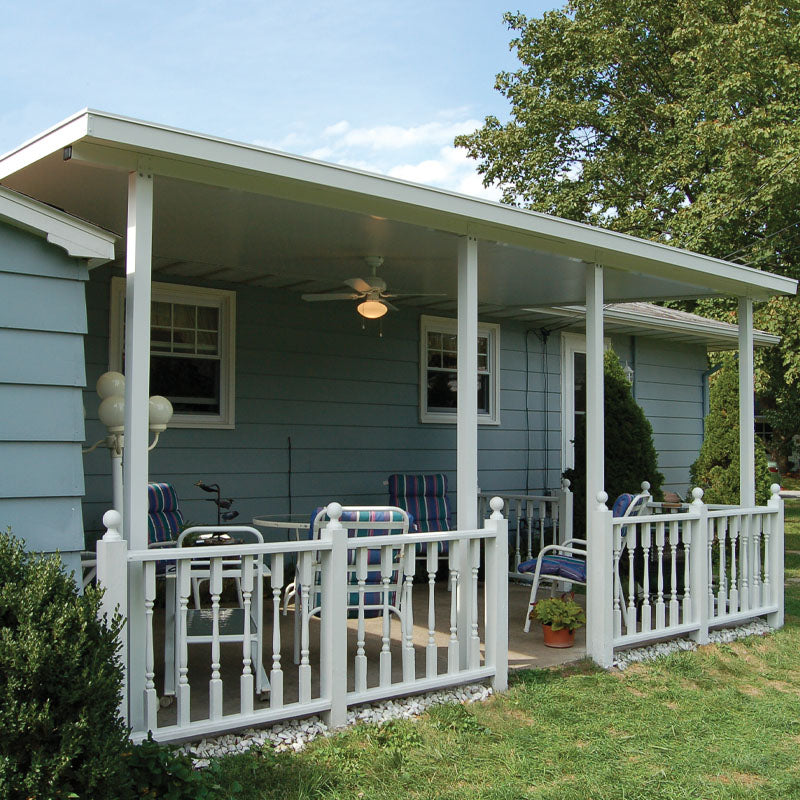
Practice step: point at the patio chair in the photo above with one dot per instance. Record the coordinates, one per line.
(566, 563)
(362, 521)
(425, 499)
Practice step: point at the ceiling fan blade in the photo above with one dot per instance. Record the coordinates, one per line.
(415, 294)
(332, 296)
(389, 305)
(359, 284)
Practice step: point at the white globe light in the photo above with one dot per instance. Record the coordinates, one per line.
(160, 413)
(112, 413)
(372, 309)
(110, 384)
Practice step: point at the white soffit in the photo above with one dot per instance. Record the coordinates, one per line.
(80, 239)
(115, 144)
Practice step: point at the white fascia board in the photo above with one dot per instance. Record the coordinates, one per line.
(80, 239)
(50, 141)
(192, 156)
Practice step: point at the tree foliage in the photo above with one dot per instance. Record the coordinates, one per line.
(716, 470)
(630, 455)
(676, 122)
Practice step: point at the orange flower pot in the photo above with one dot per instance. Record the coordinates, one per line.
(560, 638)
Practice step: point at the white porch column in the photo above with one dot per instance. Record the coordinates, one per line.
(747, 456)
(595, 438)
(138, 268)
(599, 594)
(467, 426)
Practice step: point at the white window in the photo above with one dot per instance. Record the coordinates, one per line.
(573, 391)
(192, 345)
(439, 370)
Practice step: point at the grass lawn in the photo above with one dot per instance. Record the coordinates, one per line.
(722, 722)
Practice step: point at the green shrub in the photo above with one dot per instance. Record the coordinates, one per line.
(716, 470)
(61, 734)
(630, 455)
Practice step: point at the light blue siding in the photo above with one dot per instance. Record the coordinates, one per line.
(42, 372)
(349, 401)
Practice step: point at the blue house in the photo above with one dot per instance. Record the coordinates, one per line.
(312, 326)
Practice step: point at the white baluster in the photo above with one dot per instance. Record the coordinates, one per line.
(304, 670)
(616, 554)
(474, 651)
(744, 562)
(361, 656)
(661, 608)
(688, 554)
(733, 528)
(150, 696)
(647, 616)
(542, 518)
(215, 684)
(385, 659)
(766, 586)
(631, 623)
(755, 527)
(431, 652)
(183, 691)
(407, 615)
(674, 606)
(246, 685)
(452, 645)
(276, 673)
(517, 550)
(721, 529)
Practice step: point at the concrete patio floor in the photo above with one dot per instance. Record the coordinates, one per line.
(525, 651)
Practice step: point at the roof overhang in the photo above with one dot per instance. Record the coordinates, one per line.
(78, 238)
(237, 212)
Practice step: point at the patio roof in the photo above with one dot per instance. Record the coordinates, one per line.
(234, 212)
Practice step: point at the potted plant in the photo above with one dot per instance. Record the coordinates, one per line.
(560, 618)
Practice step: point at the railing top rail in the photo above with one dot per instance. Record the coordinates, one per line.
(405, 539)
(738, 511)
(664, 519)
(537, 498)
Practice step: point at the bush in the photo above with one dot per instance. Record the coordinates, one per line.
(630, 456)
(716, 470)
(60, 683)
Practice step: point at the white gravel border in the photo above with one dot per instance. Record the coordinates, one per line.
(624, 658)
(294, 735)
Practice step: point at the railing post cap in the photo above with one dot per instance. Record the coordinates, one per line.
(697, 494)
(565, 483)
(645, 486)
(112, 520)
(775, 489)
(602, 499)
(497, 504)
(334, 511)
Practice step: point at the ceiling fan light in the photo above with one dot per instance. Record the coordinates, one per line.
(372, 309)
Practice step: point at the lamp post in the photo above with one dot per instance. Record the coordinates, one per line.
(111, 390)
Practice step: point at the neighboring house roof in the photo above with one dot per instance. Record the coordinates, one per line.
(647, 319)
(242, 213)
(80, 239)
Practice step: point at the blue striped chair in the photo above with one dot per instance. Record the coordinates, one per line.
(164, 518)
(425, 499)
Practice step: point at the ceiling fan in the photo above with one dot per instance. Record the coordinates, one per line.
(371, 291)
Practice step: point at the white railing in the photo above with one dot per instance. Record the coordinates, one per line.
(341, 673)
(530, 517)
(682, 573)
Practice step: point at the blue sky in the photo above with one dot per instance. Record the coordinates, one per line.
(379, 85)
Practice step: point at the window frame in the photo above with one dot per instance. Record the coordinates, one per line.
(225, 302)
(449, 326)
(571, 343)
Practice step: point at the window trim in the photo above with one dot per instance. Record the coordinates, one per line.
(222, 299)
(571, 343)
(449, 325)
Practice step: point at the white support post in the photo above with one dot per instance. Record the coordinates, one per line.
(467, 425)
(600, 583)
(138, 268)
(747, 458)
(496, 596)
(595, 425)
(333, 628)
(776, 557)
(112, 576)
(698, 554)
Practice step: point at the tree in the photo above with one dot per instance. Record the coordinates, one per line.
(676, 122)
(716, 470)
(630, 456)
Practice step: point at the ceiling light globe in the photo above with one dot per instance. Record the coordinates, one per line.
(160, 413)
(109, 384)
(372, 309)
(112, 413)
